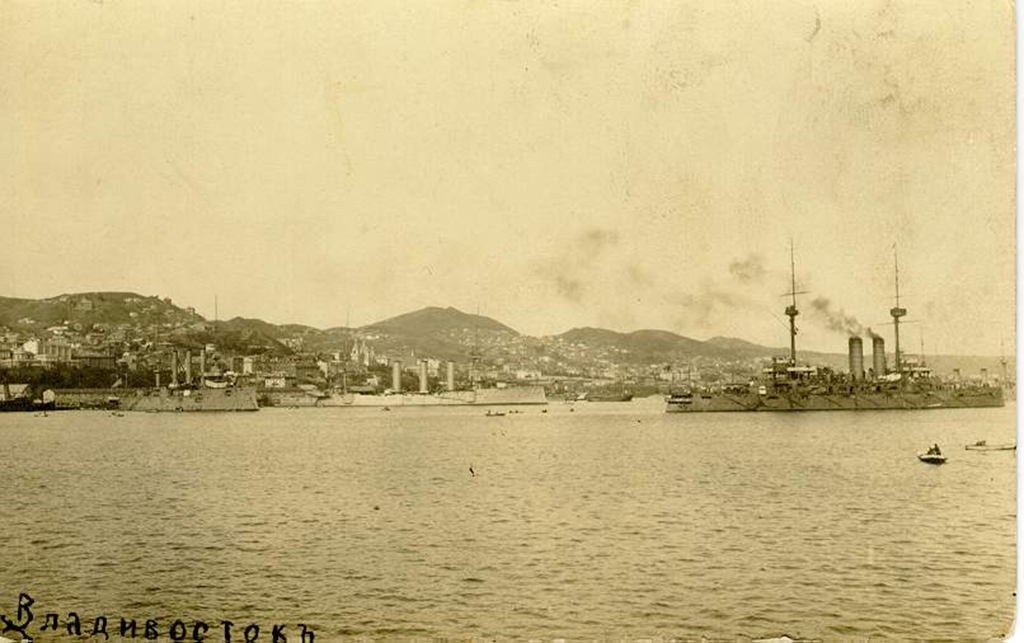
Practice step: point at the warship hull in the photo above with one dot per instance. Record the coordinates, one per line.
(897, 401)
(210, 399)
(513, 396)
(292, 399)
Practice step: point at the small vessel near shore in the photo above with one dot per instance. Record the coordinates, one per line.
(26, 405)
(21, 398)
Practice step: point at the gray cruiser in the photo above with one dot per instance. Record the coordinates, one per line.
(476, 396)
(207, 392)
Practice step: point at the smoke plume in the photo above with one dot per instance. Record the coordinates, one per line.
(750, 269)
(835, 318)
(702, 307)
(570, 271)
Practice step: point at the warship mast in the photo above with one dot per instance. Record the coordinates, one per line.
(791, 310)
(897, 311)
(474, 352)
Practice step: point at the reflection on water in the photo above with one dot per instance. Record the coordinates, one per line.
(611, 521)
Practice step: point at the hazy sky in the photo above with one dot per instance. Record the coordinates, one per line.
(558, 164)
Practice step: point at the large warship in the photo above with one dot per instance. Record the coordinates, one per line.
(478, 395)
(786, 385)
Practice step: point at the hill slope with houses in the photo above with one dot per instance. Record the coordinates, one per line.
(120, 322)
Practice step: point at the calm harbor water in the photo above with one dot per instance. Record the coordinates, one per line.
(607, 522)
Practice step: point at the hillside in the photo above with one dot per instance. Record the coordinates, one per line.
(642, 346)
(90, 308)
(105, 311)
(445, 333)
(435, 320)
(742, 347)
(254, 326)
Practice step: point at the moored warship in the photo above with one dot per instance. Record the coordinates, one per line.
(476, 396)
(512, 396)
(786, 385)
(211, 392)
(191, 399)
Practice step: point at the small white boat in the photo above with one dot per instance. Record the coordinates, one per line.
(932, 458)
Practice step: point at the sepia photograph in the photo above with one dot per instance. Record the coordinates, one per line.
(553, 321)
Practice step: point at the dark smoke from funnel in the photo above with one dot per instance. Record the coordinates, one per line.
(836, 318)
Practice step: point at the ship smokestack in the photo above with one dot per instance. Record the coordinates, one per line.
(202, 365)
(857, 358)
(451, 376)
(157, 373)
(423, 376)
(984, 376)
(878, 347)
(188, 367)
(396, 376)
(956, 374)
(174, 369)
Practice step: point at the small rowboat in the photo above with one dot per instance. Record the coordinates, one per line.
(931, 458)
